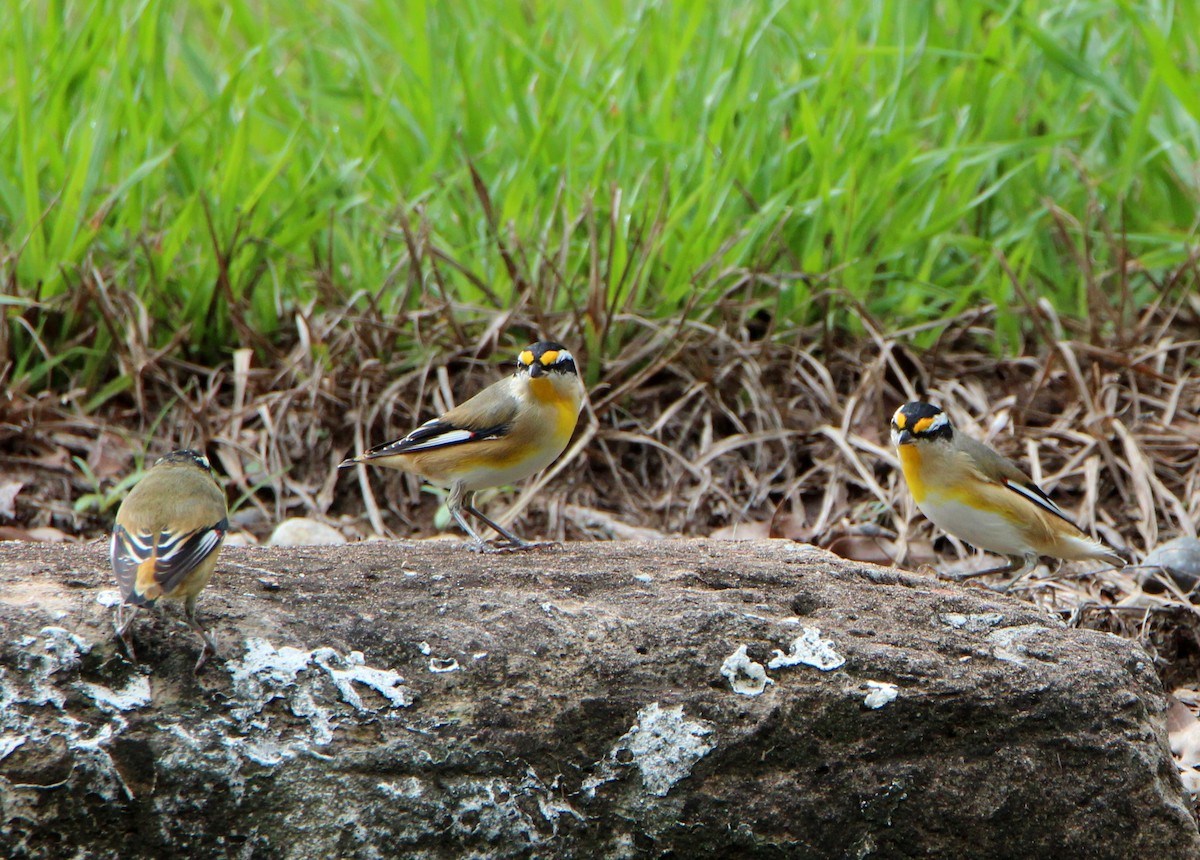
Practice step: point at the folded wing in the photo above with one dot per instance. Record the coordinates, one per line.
(151, 564)
(1034, 493)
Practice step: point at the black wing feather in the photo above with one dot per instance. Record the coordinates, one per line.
(173, 554)
(437, 433)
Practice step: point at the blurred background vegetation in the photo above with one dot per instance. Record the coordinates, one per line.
(202, 172)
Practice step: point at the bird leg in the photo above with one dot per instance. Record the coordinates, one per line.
(210, 647)
(1028, 563)
(454, 504)
(457, 506)
(514, 542)
(122, 626)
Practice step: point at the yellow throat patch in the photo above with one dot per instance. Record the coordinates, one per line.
(910, 463)
(545, 392)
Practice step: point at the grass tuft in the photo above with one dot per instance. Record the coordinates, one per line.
(218, 161)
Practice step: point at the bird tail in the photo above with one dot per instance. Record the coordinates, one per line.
(1086, 548)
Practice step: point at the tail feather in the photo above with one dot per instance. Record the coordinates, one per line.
(1111, 557)
(1086, 548)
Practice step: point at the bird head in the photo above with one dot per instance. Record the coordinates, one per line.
(185, 457)
(920, 422)
(546, 359)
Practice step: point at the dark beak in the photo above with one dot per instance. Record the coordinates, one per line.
(537, 369)
(903, 437)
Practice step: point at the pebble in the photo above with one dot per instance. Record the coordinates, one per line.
(301, 531)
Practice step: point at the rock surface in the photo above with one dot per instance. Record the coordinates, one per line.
(417, 700)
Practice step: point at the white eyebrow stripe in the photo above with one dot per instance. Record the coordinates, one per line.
(938, 422)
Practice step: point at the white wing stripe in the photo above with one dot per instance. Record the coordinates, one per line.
(1035, 498)
(450, 437)
(141, 544)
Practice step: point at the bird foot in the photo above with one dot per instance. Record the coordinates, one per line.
(209, 650)
(127, 643)
(506, 546)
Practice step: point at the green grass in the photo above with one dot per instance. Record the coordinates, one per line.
(632, 152)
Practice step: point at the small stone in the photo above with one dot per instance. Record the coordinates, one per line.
(240, 539)
(1178, 558)
(302, 531)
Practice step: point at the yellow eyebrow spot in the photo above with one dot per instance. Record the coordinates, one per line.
(901, 419)
(549, 357)
(525, 357)
(921, 426)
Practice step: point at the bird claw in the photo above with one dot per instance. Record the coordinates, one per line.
(209, 650)
(527, 544)
(506, 546)
(127, 643)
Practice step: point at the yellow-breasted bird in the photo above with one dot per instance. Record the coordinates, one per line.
(507, 432)
(982, 497)
(165, 542)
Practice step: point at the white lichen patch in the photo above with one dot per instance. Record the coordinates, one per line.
(408, 788)
(265, 751)
(808, 649)
(437, 664)
(353, 670)
(59, 652)
(663, 745)
(553, 807)
(977, 622)
(63, 648)
(491, 810)
(1008, 643)
(209, 747)
(48, 670)
(9, 744)
(745, 675)
(53, 672)
(879, 694)
(302, 679)
(135, 694)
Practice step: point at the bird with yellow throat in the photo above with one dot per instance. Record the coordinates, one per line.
(505, 433)
(982, 497)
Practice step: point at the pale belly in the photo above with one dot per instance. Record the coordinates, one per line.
(485, 476)
(982, 529)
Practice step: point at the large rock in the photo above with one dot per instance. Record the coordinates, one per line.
(417, 700)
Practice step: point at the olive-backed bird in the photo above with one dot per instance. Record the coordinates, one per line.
(168, 532)
(507, 432)
(982, 497)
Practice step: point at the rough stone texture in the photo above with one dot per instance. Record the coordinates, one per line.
(417, 700)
